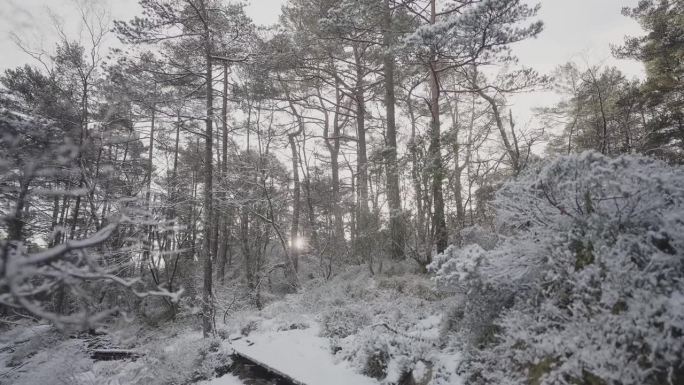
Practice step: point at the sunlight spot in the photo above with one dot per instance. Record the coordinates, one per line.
(299, 243)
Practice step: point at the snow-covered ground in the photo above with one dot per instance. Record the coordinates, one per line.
(227, 379)
(352, 330)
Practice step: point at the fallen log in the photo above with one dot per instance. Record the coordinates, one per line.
(113, 354)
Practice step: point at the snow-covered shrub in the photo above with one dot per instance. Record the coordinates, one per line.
(411, 286)
(343, 322)
(155, 310)
(456, 267)
(589, 272)
(38, 354)
(485, 238)
(185, 359)
(458, 270)
(37, 341)
(385, 353)
(375, 356)
(352, 285)
(249, 326)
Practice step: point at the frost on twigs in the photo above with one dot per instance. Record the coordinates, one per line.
(65, 277)
(29, 278)
(585, 285)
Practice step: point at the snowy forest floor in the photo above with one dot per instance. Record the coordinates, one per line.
(353, 329)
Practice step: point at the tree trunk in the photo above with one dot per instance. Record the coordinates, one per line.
(150, 154)
(333, 145)
(53, 225)
(296, 199)
(458, 169)
(415, 172)
(393, 193)
(363, 215)
(309, 201)
(246, 249)
(335, 169)
(77, 208)
(207, 296)
(438, 221)
(148, 194)
(85, 117)
(296, 196)
(512, 153)
(225, 220)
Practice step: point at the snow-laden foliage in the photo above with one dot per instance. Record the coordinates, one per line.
(586, 285)
(39, 354)
(484, 29)
(43, 272)
(344, 322)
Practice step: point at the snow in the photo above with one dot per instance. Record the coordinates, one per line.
(428, 328)
(302, 355)
(420, 371)
(227, 379)
(450, 363)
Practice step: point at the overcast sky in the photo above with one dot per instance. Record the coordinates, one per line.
(579, 30)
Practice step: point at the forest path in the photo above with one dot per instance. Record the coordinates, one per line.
(299, 354)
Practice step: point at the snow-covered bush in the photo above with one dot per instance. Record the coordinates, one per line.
(586, 285)
(182, 360)
(353, 285)
(343, 322)
(39, 354)
(385, 353)
(480, 304)
(483, 237)
(410, 285)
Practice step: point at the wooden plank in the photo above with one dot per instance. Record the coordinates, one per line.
(113, 354)
(267, 367)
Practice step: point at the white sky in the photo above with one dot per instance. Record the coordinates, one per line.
(579, 30)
